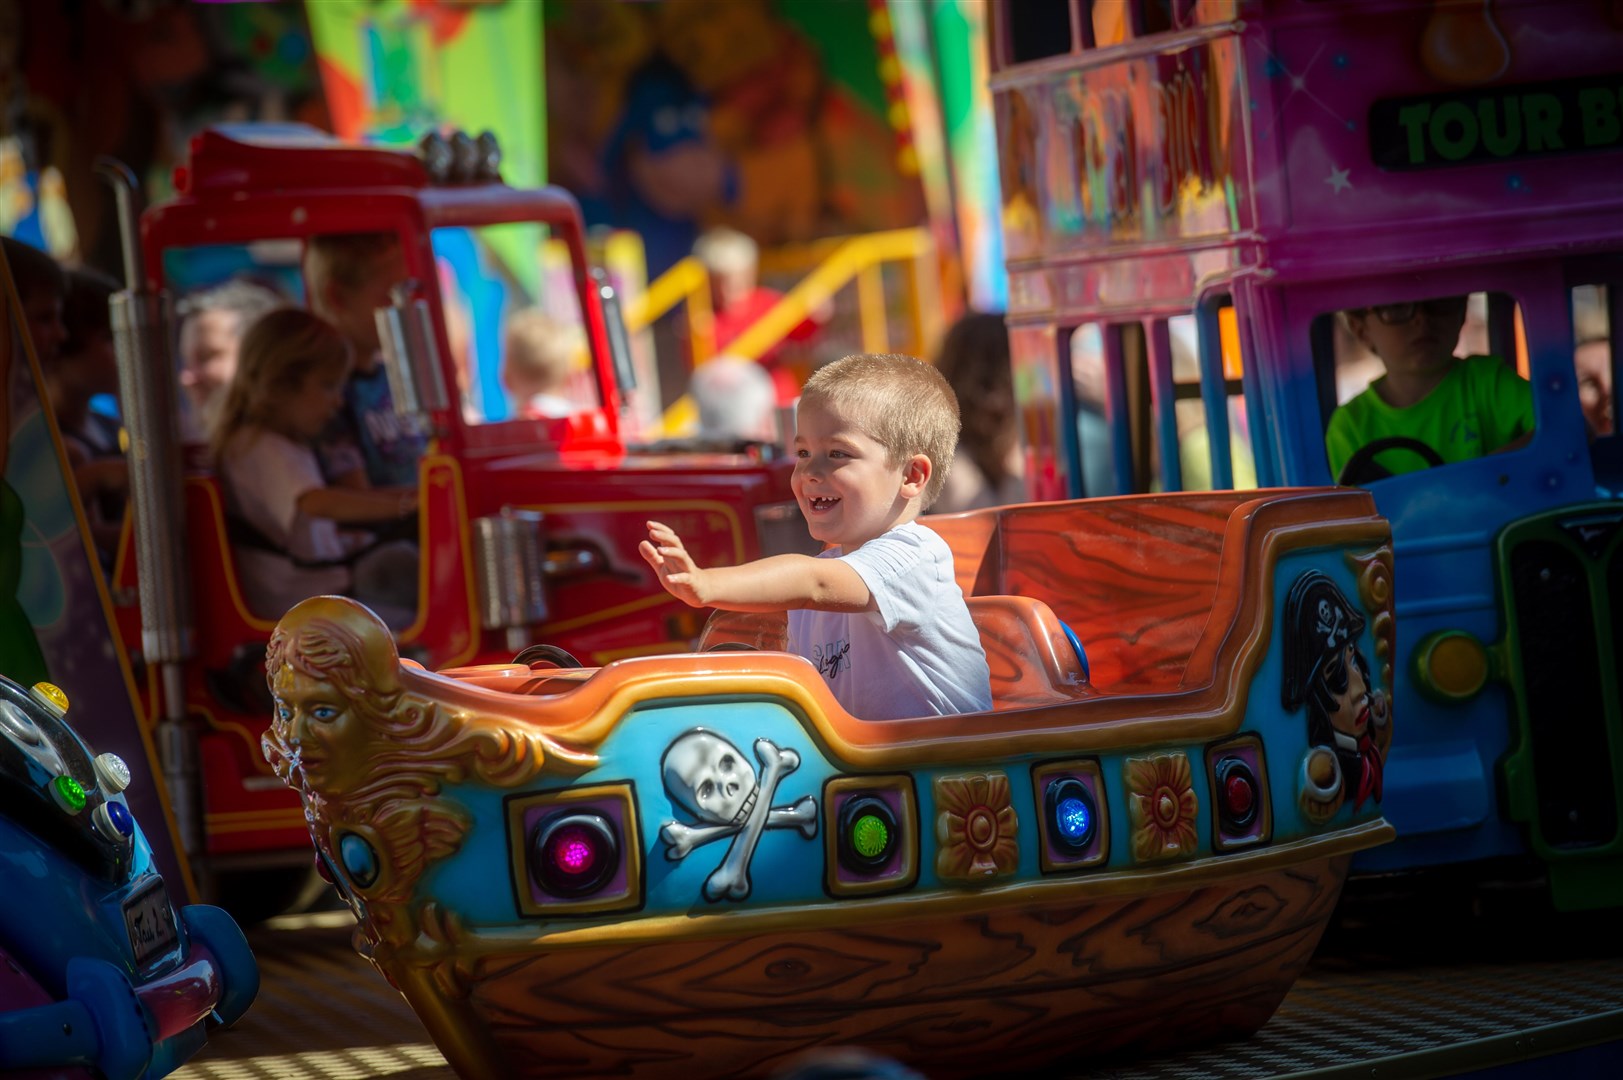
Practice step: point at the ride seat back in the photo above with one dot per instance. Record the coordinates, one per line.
(223, 619)
(1033, 657)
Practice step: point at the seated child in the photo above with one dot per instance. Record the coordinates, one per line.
(211, 327)
(289, 382)
(42, 289)
(538, 368)
(348, 277)
(1456, 409)
(1593, 362)
(736, 399)
(879, 612)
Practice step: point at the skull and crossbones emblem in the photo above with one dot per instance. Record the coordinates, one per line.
(1333, 624)
(711, 779)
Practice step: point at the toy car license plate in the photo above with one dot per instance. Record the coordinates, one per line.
(150, 920)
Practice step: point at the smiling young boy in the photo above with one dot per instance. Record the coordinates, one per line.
(879, 613)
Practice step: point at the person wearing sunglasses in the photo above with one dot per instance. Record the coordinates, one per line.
(1430, 407)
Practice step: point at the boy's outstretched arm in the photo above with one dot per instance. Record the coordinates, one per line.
(777, 583)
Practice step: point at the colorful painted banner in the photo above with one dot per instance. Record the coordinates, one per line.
(395, 70)
(958, 29)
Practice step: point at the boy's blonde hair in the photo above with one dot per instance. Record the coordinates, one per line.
(541, 351)
(277, 354)
(343, 259)
(901, 402)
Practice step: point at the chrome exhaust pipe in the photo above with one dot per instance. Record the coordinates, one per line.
(141, 339)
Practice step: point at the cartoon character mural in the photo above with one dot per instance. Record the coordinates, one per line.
(1348, 720)
(661, 167)
(710, 778)
(766, 115)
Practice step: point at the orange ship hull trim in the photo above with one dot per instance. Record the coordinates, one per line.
(701, 860)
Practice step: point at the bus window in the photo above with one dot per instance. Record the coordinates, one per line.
(1422, 382)
(1126, 342)
(1243, 463)
(1160, 16)
(1037, 28)
(1593, 357)
(1110, 23)
(1155, 16)
(1097, 472)
(1194, 395)
(1110, 367)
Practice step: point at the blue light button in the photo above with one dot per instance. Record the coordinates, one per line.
(1075, 819)
(1072, 815)
(114, 821)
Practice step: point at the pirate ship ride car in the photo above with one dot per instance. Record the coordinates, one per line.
(700, 860)
(100, 975)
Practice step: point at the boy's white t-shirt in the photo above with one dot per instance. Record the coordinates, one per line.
(264, 474)
(919, 654)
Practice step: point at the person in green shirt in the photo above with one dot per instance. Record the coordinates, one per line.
(1431, 407)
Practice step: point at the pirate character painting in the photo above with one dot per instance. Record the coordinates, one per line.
(1347, 718)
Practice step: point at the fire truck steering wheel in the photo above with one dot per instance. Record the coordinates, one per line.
(547, 655)
(1362, 468)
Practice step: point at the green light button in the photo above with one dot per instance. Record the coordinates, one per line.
(869, 835)
(69, 794)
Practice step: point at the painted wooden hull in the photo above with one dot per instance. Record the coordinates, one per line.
(1084, 870)
(972, 994)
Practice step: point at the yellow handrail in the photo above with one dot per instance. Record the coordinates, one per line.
(686, 281)
(851, 258)
(842, 261)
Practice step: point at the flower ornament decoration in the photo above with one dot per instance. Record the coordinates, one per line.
(1161, 806)
(976, 827)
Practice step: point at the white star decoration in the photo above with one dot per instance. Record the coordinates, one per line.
(1338, 180)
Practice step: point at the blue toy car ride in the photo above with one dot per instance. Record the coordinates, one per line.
(99, 971)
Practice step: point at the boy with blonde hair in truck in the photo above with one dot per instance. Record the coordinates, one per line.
(540, 364)
(879, 612)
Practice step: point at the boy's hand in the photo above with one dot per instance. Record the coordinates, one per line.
(776, 583)
(664, 552)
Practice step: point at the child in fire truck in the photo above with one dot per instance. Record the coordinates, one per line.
(285, 519)
(348, 277)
